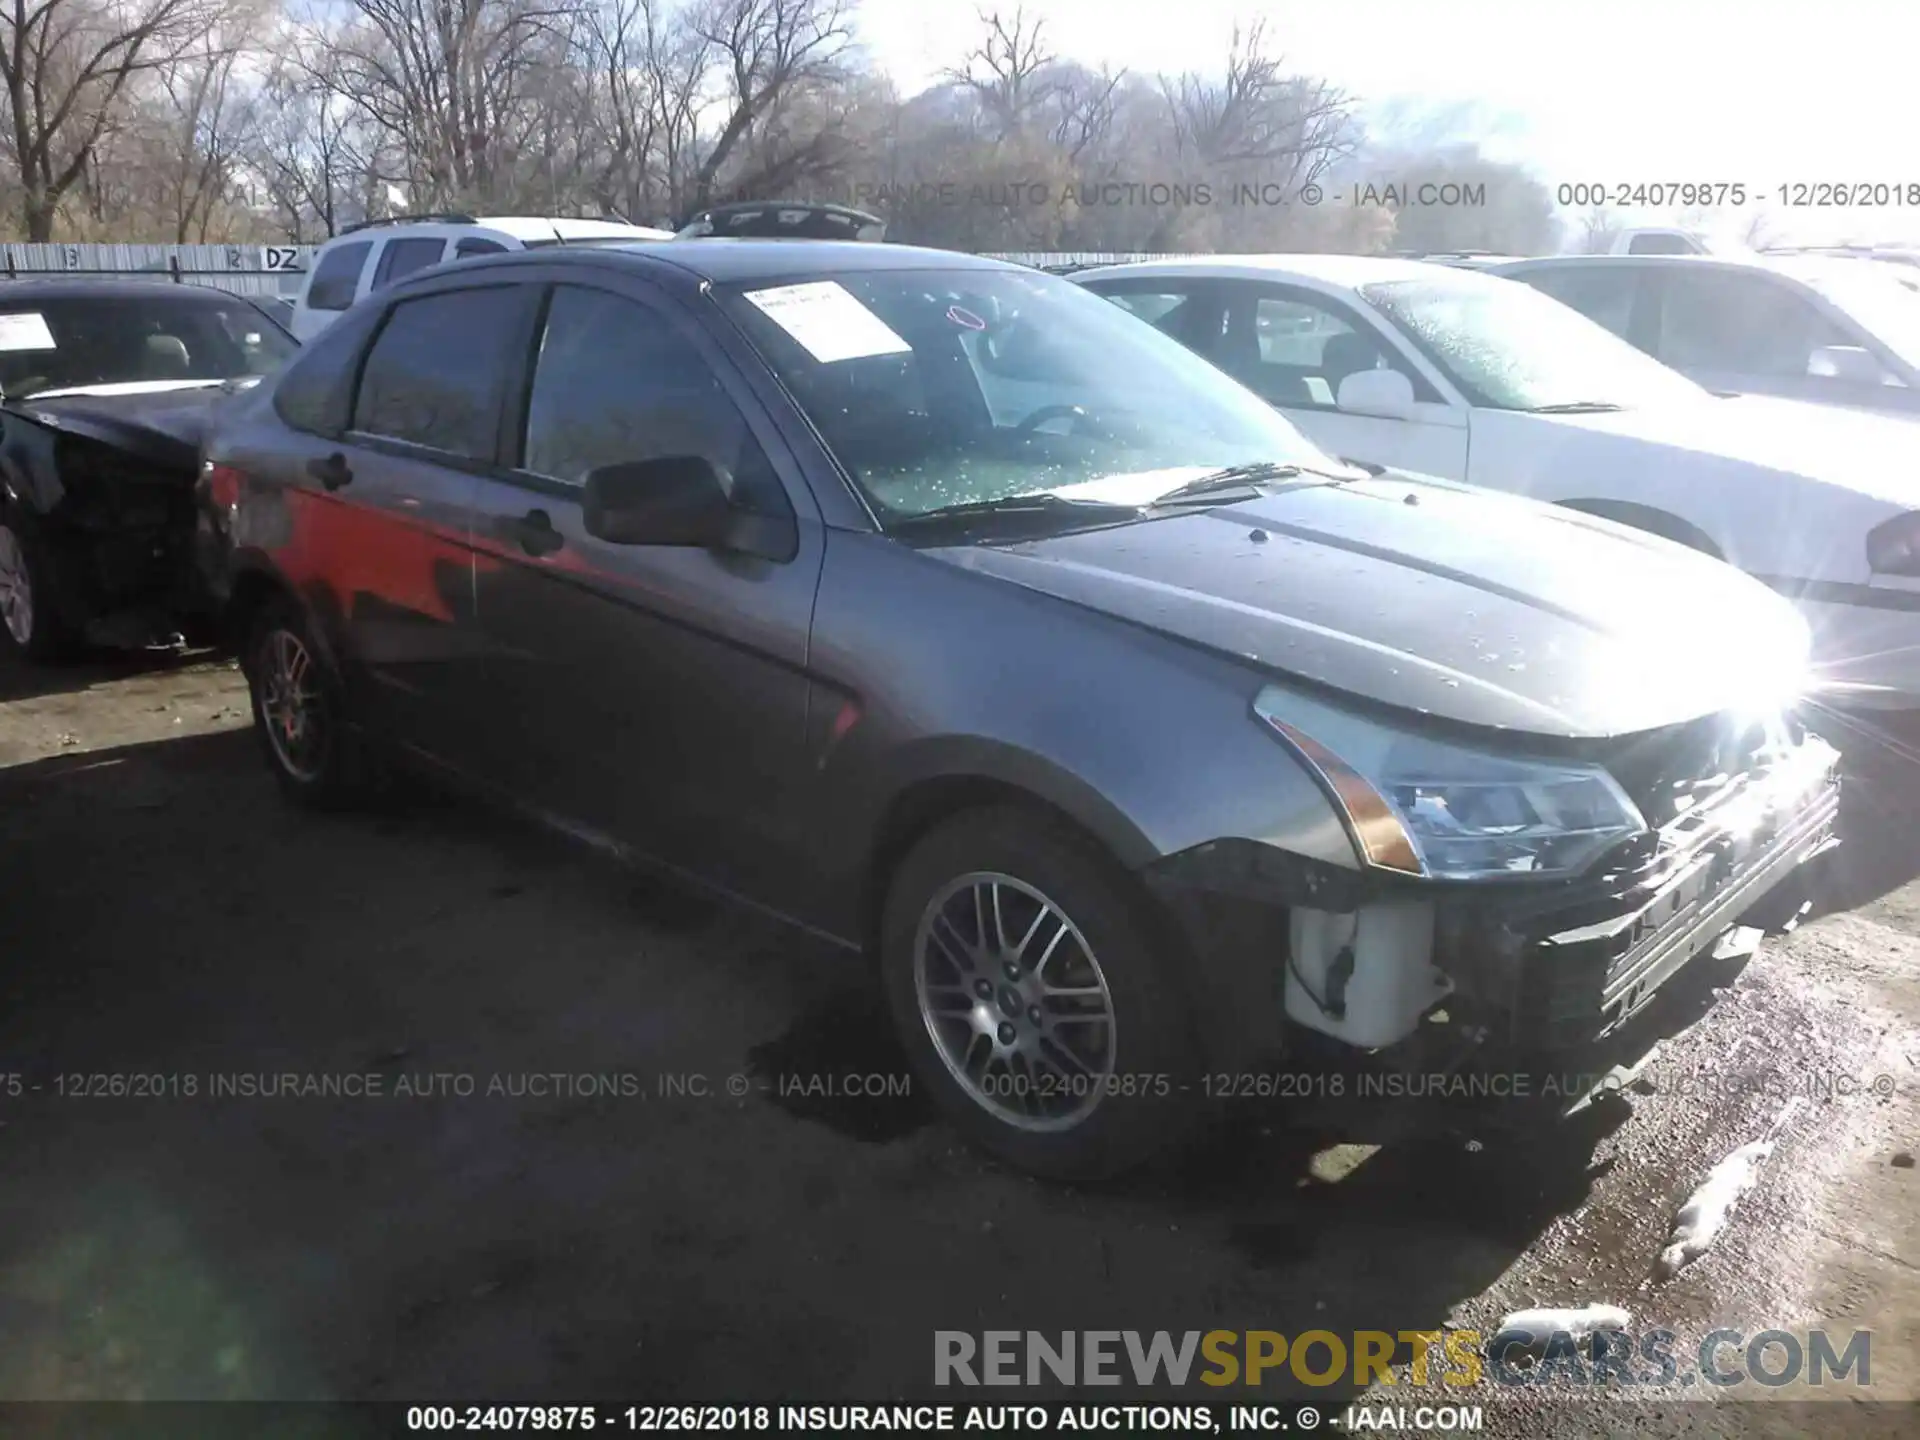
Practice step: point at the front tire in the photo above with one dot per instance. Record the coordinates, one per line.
(299, 712)
(29, 625)
(1030, 985)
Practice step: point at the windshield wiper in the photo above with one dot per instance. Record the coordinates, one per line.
(1248, 478)
(1034, 505)
(1576, 407)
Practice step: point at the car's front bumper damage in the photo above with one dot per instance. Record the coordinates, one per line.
(114, 505)
(1532, 966)
(1569, 968)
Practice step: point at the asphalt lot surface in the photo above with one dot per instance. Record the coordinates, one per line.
(486, 1226)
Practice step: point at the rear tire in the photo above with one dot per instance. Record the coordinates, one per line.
(299, 712)
(29, 625)
(1055, 1036)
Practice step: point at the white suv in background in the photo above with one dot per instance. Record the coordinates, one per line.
(372, 255)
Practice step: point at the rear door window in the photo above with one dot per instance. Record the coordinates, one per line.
(337, 277)
(1191, 316)
(1746, 324)
(403, 257)
(435, 374)
(1605, 294)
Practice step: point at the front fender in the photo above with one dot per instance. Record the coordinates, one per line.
(1146, 742)
(29, 467)
(957, 760)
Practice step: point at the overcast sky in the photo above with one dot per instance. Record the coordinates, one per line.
(1764, 93)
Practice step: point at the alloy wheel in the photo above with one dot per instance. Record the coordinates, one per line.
(16, 588)
(1014, 1001)
(291, 706)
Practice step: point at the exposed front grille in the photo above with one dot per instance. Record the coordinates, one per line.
(1719, 798)
(1669, 771)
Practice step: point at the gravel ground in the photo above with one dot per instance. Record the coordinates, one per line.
(485, 1227)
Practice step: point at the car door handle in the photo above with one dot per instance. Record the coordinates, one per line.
(534, 530)
(331, 471)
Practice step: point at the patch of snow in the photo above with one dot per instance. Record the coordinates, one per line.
(1706, 1212)
(1702, 1218)
(1541, 1325)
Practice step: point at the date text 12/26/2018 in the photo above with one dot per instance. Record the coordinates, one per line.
(1794, 195)
(884, 1418)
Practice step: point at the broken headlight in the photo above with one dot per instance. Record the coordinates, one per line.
(1446, 812)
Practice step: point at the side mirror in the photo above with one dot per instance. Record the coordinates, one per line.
(1385, 393)
(678, 500)
(1851, 363)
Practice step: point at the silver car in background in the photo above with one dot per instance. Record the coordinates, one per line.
(1828, 329)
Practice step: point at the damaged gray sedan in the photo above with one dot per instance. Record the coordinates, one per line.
(946, 611)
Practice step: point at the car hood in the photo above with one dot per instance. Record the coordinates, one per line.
(1438, 598)
(1862, 451)
(163, 422)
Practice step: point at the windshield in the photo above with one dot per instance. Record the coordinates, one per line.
(1877, 302)
(72, 341)
(939, 388)
(1507, 346)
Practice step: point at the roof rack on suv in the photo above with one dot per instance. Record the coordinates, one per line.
(784, 219)
(446, 219)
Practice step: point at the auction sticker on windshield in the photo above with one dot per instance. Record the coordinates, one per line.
(829, 320)
(25, 331)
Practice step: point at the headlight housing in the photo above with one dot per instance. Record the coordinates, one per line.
(1445, 812)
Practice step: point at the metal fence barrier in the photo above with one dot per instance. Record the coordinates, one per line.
(256, 270)
(270, 270)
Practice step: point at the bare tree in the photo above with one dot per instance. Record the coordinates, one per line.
(1759, 232)
(200, 120)
(125, 120)
(762, 49)
(1008, 72)
(1085, 107)
(311, 150)
(1472, 203)
(66, 66)
(644, 71)
(1598, 227)
(447, 82)
(1290, 126)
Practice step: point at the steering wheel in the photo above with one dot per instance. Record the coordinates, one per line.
(1120, 429)
(1075, 413)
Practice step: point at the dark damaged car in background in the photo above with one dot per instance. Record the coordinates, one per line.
(946, 611)
(105, 390)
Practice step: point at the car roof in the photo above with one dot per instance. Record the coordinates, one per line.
(34, 292)
(1341, 272)
(1723, 261)
(1803, 269)
(519, 227)
(725, 261)
(532, 227)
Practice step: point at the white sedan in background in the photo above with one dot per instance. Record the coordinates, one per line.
(1804, 327)
(1457, 374)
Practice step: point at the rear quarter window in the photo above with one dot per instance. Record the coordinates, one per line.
(314, 393)
(402, 257)
(337, 276)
